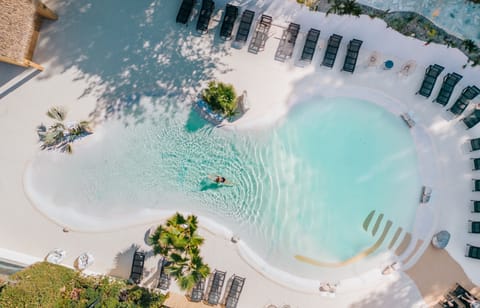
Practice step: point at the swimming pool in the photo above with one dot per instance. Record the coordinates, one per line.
(303, 187)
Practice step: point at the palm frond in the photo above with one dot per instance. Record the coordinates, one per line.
(57, 113)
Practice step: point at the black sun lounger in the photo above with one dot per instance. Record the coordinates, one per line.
(198, 291)
(460, 292)
(474, 226)
(331, 51)
(473, 252)
(464, 99)
(475, 206)
(164, 279)
(216, 286)
(476, 185)
(352, 55)
(474, 144)
(287, 42)
(185, 10)
(245, 25)
(137, 267)
(476, 164)
(234, 291)
(472, 119)
(205, 14)
(449, 83)
(431, 75)
(310, 45)
(231, 14)
(260, 36)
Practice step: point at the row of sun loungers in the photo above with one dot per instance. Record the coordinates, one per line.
(232, 292)
(260, 36)
(469, 93)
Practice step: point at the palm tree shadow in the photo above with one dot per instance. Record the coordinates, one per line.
(123, 262)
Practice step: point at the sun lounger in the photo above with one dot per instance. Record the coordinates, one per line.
(352, 55)
(431, 75)
(458, 292)
(205, 14)
(164, 279)
(472, 119)
(464, 99)
(234, 291)
(331, 51)
(474, 226)
(474, 144)
(231, 14)
(310, 45)
(476, 164)
(260, 36)
(287, 42)
(137, 267)
(198, 291)
(449, 83)
(473, 252)
(245, 25)
(476, 185)
(185, 10)
(475, 206)
(215, 289)
(426, 194)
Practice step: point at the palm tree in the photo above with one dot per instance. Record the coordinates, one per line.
(470, 46)
(179, 242)
(344, 7)
(57, 113)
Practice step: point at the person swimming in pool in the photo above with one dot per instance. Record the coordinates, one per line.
(220, 179)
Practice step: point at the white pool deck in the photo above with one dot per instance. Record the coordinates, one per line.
(272, 86)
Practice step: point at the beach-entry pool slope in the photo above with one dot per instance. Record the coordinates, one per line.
(303, 187)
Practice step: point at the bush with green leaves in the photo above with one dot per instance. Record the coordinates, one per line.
(221, 97)
(48, 285)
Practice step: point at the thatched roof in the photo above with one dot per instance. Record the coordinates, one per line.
(17, 24)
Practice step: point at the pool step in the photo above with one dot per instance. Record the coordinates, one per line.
(367, 220)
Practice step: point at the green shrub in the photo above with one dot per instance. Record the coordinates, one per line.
(49, 285)
(221, 97)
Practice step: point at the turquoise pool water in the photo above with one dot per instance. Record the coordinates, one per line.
(304, 186)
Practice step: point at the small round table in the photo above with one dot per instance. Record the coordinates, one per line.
(388, 64)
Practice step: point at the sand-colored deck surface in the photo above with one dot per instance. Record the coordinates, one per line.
(101, 51)
(435, 274)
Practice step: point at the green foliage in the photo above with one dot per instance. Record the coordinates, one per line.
(179, 242)
(49, 285)
(344, 7)
(221, 97)
(57, 135)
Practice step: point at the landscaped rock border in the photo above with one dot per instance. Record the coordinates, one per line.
(415, 25)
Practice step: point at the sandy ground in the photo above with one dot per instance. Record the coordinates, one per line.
(76, 79)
